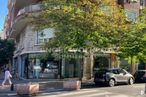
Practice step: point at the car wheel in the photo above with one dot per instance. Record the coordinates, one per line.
(111, 82)
(131, 81)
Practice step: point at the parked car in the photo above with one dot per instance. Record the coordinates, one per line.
(140, 76)
(113, 76)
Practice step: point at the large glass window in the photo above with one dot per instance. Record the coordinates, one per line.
(72, 68)
(40, 68)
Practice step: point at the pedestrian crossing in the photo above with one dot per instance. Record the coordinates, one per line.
(83, 93)
(90, 92)
(79, 93)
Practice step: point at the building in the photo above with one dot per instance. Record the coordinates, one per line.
(5, 29)
(28, 43)
(27, 61)
(2, 35)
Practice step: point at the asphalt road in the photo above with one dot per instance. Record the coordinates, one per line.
(136, 90)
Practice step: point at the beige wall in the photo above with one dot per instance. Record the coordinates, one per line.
(27, 40)
(133, 6)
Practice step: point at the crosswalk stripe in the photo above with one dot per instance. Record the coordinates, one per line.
(120, 95)
(95, 94)
(82, 94)
(12, 94)
(78, 92)
(70, 93)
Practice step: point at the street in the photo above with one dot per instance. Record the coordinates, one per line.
(136, 90)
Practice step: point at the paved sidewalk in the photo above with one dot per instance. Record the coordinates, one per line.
(46, 86)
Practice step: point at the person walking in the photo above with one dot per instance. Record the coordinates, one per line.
(8, 77)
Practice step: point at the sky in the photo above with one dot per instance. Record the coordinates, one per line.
(3, 12)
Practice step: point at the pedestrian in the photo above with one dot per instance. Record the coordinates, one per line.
(8, 77)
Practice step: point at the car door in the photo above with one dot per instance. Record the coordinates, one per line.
(123, 75)
(116, 75)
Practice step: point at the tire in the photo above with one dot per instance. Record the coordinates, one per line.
(111, 82)
(131, 81)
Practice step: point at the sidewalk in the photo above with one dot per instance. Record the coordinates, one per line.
(45, 85)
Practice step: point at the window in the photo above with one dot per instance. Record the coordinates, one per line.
(45, 36)
(115, 71)
(131, 15)
(142, 4)
(121, 71)
(106, 9)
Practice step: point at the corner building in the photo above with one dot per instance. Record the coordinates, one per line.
(27, 62)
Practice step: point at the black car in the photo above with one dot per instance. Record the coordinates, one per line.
(140, 76)
(113, 76)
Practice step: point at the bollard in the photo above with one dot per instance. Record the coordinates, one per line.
(12, 87)
(145, 89)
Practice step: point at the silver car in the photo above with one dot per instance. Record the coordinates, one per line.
(113, 76)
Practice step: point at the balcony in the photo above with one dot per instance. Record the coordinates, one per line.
(29, 9)
(19, 4)
(21, 20)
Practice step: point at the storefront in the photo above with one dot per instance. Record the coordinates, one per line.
(71, 64)
(106, 60)
(32, 66)
(36, 67)
(71, 68)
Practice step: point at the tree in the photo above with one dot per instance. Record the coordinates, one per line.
(84, 24)
(134, 43)
(89, 24)
(6, 51)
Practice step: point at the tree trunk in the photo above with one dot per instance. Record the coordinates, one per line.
(88, 66)
(132, 65)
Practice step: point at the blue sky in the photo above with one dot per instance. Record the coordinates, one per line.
(3, 12)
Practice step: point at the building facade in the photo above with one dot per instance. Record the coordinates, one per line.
(27, 61)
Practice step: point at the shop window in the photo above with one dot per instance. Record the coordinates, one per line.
(36, 68)
(49, 69)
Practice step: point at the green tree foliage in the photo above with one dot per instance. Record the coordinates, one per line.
(82, 23)
(92, 24)
(6, 51)
(134, 42)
